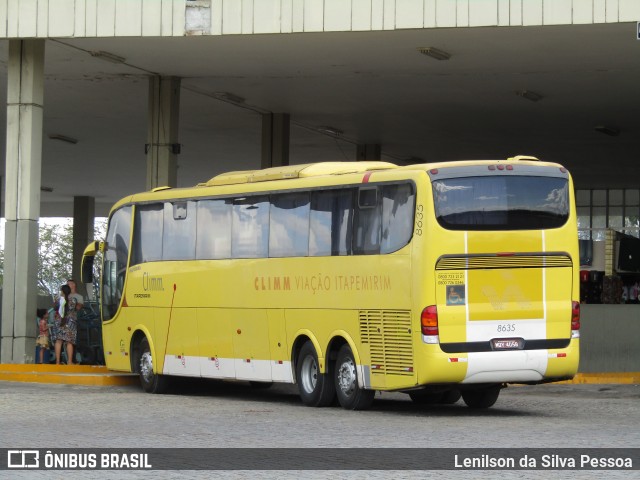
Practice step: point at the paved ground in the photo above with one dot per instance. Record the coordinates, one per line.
(216, 414)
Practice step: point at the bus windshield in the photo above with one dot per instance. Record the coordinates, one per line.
(501, 202)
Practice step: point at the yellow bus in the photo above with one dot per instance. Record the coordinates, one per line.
(439, 280)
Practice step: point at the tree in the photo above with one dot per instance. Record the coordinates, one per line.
(55, 256)
(55, 253)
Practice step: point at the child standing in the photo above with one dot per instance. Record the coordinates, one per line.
(43, 333)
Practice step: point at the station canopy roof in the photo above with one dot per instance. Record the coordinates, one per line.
(566, 94)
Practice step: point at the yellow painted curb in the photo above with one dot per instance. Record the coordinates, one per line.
(50, 368)
(625, 378)
(92, 375)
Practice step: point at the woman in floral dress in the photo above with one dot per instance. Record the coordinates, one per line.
(66, 324)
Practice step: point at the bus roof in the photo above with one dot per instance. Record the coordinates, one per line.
(523, 159)
(308, 171)
(296, 171)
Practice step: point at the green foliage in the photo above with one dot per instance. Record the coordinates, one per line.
(55, 254)
(55, 257)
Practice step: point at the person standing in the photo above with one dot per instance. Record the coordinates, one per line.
(66, 325)
(74, 293)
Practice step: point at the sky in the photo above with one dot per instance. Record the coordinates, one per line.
(43, 221)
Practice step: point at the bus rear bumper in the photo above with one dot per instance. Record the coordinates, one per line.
(513, 366)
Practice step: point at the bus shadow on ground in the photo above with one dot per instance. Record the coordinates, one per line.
(393, 403)
(459, 409)
(253, 391)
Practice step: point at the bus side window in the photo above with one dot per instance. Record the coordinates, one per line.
(330, 223)
(250, 227)
(398, 209)
(367, 228)
(147, 233)
(289, 225)
(179, 231)
(214, 229)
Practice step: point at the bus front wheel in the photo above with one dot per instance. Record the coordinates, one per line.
(482, 397)
(350, 395)
(151, 382)
(316, 389)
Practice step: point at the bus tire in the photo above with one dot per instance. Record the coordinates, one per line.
(481, 397)
(450, 397)
(151, 382)
(350, 395)
(316, 389)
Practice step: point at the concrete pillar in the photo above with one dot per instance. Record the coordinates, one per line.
(83, 220)
(275, 139)
(162, 147)
(369, 151)
(25, 95)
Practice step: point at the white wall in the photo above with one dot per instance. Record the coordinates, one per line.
(108, 18)
(91, 18)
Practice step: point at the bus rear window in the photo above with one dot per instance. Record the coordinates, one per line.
(501, 202)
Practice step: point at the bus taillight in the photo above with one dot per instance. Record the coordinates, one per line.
(429, 321)
(575, 319)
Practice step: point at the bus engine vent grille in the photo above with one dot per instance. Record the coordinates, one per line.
(388, 334)
(471, 262)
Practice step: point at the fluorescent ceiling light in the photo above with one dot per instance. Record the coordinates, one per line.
(529, 95)
(106, 56)
(611, 131)
(229, 97)
(434, 53)
(63, 138)
(329, 130)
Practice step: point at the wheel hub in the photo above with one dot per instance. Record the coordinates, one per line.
(146, 366)
(309, 374)
(347, 377)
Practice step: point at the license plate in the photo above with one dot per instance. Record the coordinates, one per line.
(507, 343)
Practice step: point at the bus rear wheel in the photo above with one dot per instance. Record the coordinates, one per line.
(450, 397)
(316, 388)
(151, 382)
(482, 397)
(350, 395)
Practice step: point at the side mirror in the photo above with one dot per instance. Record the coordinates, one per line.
(87, 260)
(87, 269)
